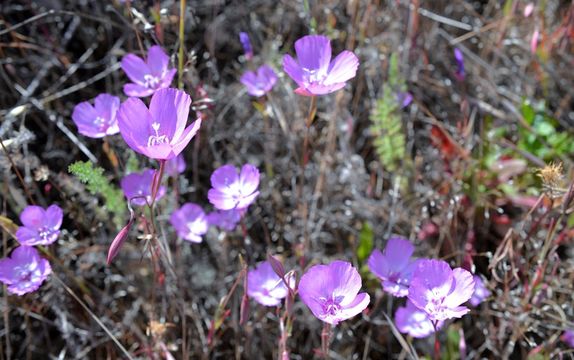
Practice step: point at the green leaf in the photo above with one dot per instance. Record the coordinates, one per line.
(366, 239)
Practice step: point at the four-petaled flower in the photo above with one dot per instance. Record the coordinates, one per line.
(332, 292)
(24, 271)
(394, 267)
(190, 222)
(137, 187)
(481, 292)
(160, 132)
(99, 120)
(439, 290)
(414, 321)
(41, 227)
(231, 190)
(265, 286)
(147, 77)
(261, 82)
(314, 72)
(225, 219)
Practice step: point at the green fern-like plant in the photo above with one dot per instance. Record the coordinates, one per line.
(98, 184)
(386, 125)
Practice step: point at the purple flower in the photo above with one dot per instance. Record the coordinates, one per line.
(246, 43)
(314, 72)
(459, 57)
(41, 227)
(225, 219)
(99, 120)
(261, 82)
(137, 187)
(147, 77)
(332, 292)
(24, 271)
(265, 286)
(394, 267)
(160, 132)
(480, 291)
(414, 321)
(190, 222)
(439, 290)
(231, 190)
(568, 337)
(175, 166)
(404, 98)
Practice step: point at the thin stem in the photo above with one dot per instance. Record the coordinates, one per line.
(181, 41)
(325, 340)
(436, 342)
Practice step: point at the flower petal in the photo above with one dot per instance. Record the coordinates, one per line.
(463, 288)
(33, 216)
(293, 69)
(54, 217)
(357, 306)
(313, 52)
(135, 68)
(342, 68)
(137, 90)
(221, 200)
(134, 121)
(249, 179)
(157, 60)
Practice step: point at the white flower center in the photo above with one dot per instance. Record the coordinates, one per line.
(150, 81)
(315, 75)
(156, 139)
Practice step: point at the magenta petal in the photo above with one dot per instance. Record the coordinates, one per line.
(221, 200)
(293, 69)
(27, 236)
(313, 52)
(245, 201)
(190, 222)
(134, 122)
(342, 68)
(398, 252)
(345, 280)
(33, 216)
(249, 178)
(118, 242)
(54, 217)
(163, 110)
(136, 90)
(186, 137)
(462, 290)
(357, 306)
(167, 79)
(157, 60)
(224, 177)
(84, 115)
(135, 68)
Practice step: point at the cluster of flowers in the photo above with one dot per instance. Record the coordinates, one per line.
(24, 271)
(435, 292)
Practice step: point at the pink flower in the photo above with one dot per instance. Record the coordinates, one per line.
(147, 77)
(261, 82)
(24, 271)
(440, 291)
(480, 293)
(175, 166)
(265, 286)
(414, 321)
(190, 222)
(233, 190)
(99, 120)
(137, 187)
(225, 219)
(394, 267)
(332, 292)
(41, 227)
(314, 71)
(160, 132)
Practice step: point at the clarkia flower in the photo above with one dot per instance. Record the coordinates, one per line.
(246, 43)
(98, 120)
(137, 187)
(175, 166)
(439, 290)
(24, 271)
(233, 190)
(459, 57)
(160, 132)
(394, 267)
(480, 291)
(568, 337)
(414, 321)
(265, 286)
(404, 98)
(147, 76)
(225, 219)
(314, 71)
(261, 82)
(41, 227)
(190, 222)
(332, 292)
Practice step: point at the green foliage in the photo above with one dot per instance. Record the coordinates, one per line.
(366, 238)
(543, 139)
(452, 343)
(98, 184)
(386, 124)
